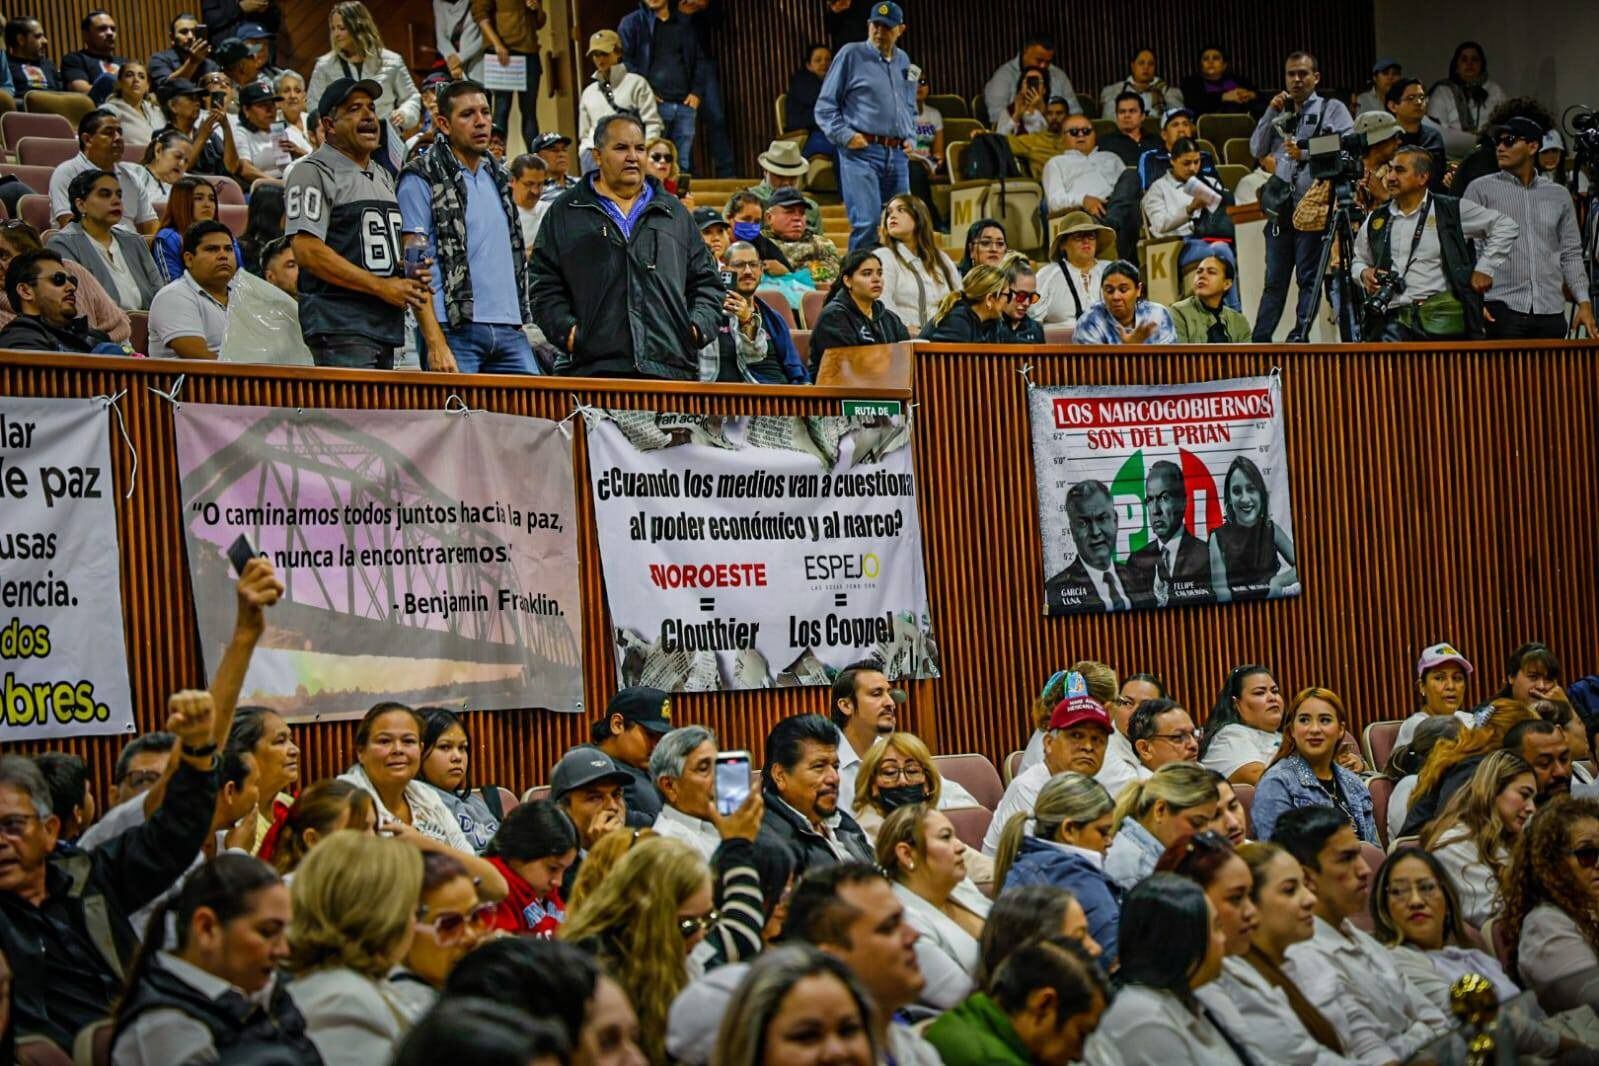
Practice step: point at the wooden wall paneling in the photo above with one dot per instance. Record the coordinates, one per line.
(513, 748)
(1421, 513)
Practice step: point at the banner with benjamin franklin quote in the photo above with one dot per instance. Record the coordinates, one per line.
(1155, 496)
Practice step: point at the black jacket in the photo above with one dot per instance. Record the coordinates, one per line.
(635, 303)
(1424, 806)
(30, 333)
(236, 1024)
(1028, 332)
(803, 89)
(68, 954)
(783, 826)
(1455, 254)
(841, 325)
(962, 326)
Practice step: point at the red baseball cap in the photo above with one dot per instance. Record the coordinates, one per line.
(1078, 707)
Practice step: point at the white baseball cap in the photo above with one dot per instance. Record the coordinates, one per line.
(1438, 655)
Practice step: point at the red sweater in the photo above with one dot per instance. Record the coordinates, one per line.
(524, 910)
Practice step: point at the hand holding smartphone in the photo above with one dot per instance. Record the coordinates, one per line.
(240, 552)
(732, 781)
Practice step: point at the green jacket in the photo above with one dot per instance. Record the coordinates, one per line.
(1193, 322)
(977, 1033)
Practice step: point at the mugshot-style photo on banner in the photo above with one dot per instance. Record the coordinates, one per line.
(1159, 496)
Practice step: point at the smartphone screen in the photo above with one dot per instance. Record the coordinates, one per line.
(727, 279)
(218, 100)
(732, 780)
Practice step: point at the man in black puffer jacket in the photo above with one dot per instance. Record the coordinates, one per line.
(621, 281)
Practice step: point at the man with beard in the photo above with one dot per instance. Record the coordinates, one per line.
(863, 710)
(1094, 581)
(345, 221)
(1174, 567)
(801, 788)
(189, 316)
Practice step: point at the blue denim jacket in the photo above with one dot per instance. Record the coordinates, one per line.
(1289, 784)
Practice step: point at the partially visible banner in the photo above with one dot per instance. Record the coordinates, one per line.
(758, 552)
(1162, 495)
(62, 654)
(428, 557)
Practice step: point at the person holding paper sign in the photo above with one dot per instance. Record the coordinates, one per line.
(511, 28)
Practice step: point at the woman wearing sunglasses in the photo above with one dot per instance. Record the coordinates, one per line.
(450, 921)
(1017, 325)
(1416, 914)
(1305, 773)
(646, 922)
(660, 161)
(1552, 904)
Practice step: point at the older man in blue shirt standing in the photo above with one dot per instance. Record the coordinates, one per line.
(868, 108)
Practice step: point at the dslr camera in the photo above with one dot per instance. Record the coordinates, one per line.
(1389, 285)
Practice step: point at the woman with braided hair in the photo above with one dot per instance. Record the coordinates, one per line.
(1551, 913)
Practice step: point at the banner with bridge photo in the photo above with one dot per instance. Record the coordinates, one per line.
(758, 552)
(63, 661)
(1154, 496)
(428, 557)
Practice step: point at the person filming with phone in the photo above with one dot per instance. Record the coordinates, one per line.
(708, 794)
(753, 344)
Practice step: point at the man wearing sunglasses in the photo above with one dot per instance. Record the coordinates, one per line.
(1528, 298)
(46, 299)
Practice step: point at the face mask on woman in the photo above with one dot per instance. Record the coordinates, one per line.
(901, 796)
(746, 231)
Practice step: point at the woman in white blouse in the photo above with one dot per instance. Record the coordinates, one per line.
(1552, 904)
(1172, 944)
(1249, 1006)
(1244, 729)
(1170, 204)
(918, 849)
(916, 272)
(134, 104)
(355, 50)
(1472, 837)
(1069, 283)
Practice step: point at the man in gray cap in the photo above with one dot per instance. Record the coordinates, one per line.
(587, 784)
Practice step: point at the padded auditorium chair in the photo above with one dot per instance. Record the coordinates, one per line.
(1013, 763)
(537, 792)
(45, 151)
(15, 125)
(1246, 797)
(971, 824)
(974, 773)
(34, 209)
(508, 800)
(811, 307)
(1378, 740)
(779, 303)
(1381, 790)
(70, 106)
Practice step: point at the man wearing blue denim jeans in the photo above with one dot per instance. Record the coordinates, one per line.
(659, 43)
(456, 207)
(1295, 113)
(868, 108)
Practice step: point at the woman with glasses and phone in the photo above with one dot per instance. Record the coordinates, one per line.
(1305, 771)
(919, 851)
(971, 314)
(450, 921)
(1416, 913)
(647, 922)
(1551, 916)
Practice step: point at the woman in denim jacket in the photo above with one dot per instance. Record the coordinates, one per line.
(1305, 773)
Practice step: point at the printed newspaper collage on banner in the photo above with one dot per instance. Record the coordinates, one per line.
(1162, 495)
(758, 552)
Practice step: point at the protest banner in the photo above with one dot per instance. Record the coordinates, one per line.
(758, 552)
(428, 557)
(64, 661)
(1162, 495)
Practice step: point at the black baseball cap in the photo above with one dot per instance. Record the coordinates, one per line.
(648, 707)
(339, 91)
(706, 217)
(230, 51)
(585, 766)
(549, 140)
(787, 196)
(1521, 127)
(174, 87)
(256, 93)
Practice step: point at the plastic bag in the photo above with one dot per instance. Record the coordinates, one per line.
(263, 325)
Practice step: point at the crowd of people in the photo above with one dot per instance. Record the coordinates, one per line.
(1127, 905)
(386, 225)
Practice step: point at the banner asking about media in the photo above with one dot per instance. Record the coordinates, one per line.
(63, 660)
(428, 557)
(758, 552)
(1162, 495)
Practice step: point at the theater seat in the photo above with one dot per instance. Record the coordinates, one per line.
(1013, 762)
(971, 823)
(234, 216)
(35, 211)
(537, 792)
(508, 800)
(92, 1047)
(35, 178)
(45, 151)
(36, 1050)
(1379, 740)
(811, 307)
(777, 302)
(1058, 334)
(70, 106)
(1381, 790)
(15, 125)
(1246, 796)
(974, 773)
(139, 324)
(802, 345)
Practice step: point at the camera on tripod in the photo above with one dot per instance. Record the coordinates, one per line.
(1333, 157)
(1584, 131)
(1390, 283)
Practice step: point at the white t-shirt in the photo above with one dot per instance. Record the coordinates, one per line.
(928, 122)
(183, 309)
(1552, 948)
(1407, 728)
(136, 205)
(1020, 795)
(1238, 745)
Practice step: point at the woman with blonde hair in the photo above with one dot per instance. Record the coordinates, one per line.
(355, 50)
(1063, 843)
(354, 902)
(917, 275)
(602, 859)
(970, 314)
(322, 809)
(919, 851)
(1453, 762)
(647, 919)
(1479, 825)
(1305, 773)
(1178, 800)
(660, 161)
(898, 770)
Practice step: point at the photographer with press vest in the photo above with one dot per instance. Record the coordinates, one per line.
(1411, 256)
